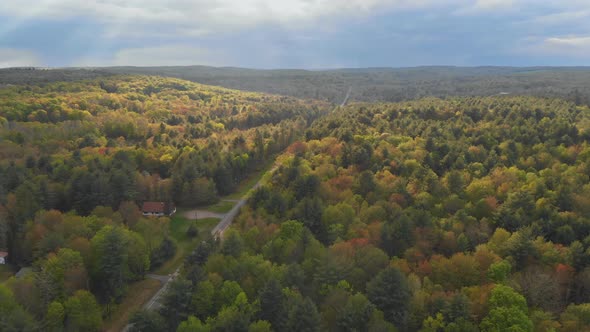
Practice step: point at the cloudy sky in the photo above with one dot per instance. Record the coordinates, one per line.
(294, 33)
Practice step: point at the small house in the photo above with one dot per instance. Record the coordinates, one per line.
(158, 209)
(3, 255)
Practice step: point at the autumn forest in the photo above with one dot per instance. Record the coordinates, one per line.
(458, 213)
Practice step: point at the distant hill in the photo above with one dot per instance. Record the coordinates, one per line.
(42, 76)
(369, 84)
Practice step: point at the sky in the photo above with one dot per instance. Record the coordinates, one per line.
(310, 34)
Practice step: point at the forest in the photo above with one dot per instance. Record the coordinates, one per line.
(366, 84)
(389, 84)
(79, 158)
(456, 214)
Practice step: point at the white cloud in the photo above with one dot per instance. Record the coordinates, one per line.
(10, 57)
(168, 55)
(565, 46)
(133, 18)
(524, 8)
(495, 4)
(568, 46)
(198, 17)
(575, 42)
(563, 18)
(198, 12)
(489, 6)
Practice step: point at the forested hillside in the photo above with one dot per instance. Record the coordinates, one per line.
(77, 159)
(366, 84)
(41, 76)
(389, 84)
(433, 215)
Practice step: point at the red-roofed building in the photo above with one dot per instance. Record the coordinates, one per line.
(3, 255)
(158, 209)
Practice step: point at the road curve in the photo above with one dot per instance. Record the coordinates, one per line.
(229, 217)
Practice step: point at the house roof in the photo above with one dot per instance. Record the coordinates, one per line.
(158, 207)
(3, 254)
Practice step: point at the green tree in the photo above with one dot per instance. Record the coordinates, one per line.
(83, 313)
(61, 275)
(176, 302)
(54, 319)
(499, 272)
(230, 319)
(147, 321)
(109, 262)
(390, 292)
(193, 324)
(309, 211)
(228, 293)
(304, 317)
(232, 244)
(272, 304)
(138, 257)
(366, 184)
(457, 309)
(260, 326)
(508, 312)
(203, 300)
(13, 318)
(356, 314)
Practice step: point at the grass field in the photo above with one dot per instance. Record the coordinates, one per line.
(220, 207)
(137, 294)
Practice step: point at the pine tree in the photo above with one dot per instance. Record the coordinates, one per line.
(176, 302)
(272, 304)
(147, 321)
(389, 291)
(304, 317)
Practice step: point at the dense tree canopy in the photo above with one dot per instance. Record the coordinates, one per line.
(456, 214)
(78, 159)
(433, 215)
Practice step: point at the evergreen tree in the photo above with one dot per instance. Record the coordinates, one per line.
(304, 317)
(176, 302)
(83, 313)
(389, 291)
(272, 304)
(109, 251)
(147, 321)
